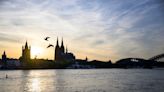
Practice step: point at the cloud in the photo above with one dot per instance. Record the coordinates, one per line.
(115, 29)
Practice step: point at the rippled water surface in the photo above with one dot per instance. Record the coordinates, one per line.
(86, 80)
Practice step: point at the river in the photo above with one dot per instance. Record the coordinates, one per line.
(82, 80)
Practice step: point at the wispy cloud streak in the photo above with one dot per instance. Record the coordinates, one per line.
(111, 29)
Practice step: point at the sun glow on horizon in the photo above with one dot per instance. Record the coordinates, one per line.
(36, 51)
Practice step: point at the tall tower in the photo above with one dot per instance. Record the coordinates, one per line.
(57, 50)
(4, 57)
(62, 47)
(26, 53)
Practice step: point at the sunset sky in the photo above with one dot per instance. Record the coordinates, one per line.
(98, 29)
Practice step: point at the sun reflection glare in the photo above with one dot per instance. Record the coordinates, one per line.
(35, 86)
(36, 51)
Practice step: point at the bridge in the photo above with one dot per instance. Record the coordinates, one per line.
(157, 57)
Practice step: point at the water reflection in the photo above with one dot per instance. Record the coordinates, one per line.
(98, 80)
(38, 81)
(35, 85)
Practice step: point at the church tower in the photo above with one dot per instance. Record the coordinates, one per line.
(57, 51)
(62, 47)
(26, 53)
(61, 53)
(4, 59)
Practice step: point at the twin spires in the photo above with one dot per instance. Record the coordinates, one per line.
(59, 50)
(57, 43)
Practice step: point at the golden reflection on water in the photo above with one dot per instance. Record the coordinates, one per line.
(35, 85)
(39, 81)
(34, 82)
(92, 80)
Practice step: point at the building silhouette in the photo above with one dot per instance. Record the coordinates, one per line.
(62, 54)
(26, 53)
(4, 59)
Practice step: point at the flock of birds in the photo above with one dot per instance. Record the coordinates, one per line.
(50, 45)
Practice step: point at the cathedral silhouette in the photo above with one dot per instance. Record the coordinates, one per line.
(61, 53)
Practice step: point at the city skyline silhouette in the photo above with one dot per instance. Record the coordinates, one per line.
(81, 45)
(61, 49)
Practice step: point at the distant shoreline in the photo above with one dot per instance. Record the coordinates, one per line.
(77, 69)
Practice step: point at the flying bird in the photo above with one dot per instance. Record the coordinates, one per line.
(50, 45)
(46, 38)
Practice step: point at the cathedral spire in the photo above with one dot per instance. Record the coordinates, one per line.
(26, 45)
(4, 53)
(62, 45)
(57, 43)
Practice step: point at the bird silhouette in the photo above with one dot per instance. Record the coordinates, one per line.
(50, 45)
(46, 38)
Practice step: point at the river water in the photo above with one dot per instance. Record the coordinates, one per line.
(82, 80)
